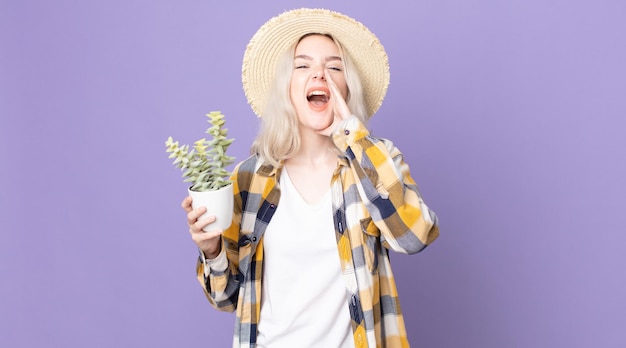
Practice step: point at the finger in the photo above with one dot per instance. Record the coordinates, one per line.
(193, 215)
(339, 104)
(186, 204)
(199, 225)
(208, 242)
(205, 236)
(327, 75)
(334, 90)
(335, 96)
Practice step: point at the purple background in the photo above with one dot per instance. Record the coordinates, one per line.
(510, 113)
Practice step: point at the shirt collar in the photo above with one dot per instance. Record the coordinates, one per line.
(268, 170)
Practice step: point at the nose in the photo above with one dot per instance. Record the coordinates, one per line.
(319, 74)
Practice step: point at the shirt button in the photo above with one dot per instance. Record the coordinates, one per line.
(253, 238)
(347, 132)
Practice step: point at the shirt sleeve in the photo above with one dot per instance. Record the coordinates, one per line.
(219, 277)
(219, 264)
(386, 188)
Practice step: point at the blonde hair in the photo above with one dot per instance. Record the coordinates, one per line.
(278, 137)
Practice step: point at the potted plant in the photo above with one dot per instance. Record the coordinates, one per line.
(204, 166)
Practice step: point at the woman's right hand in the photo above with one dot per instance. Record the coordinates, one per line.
(209, 242)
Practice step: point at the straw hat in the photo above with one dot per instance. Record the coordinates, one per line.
(282, 31)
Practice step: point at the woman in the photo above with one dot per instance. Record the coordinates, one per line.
(320, 201)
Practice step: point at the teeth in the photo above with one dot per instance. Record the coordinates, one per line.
(317, 93)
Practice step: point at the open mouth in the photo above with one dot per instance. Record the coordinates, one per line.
(318, 97)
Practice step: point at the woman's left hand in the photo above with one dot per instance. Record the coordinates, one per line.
(338, 104)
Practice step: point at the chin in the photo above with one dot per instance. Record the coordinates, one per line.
(323, 123)
(315, 119)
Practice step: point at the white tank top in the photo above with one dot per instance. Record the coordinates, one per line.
(303, 297)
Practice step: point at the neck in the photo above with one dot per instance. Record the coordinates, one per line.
(314, 149)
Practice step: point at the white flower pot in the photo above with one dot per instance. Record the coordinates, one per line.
(218, 203)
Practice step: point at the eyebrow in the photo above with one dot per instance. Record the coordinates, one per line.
(328, 59)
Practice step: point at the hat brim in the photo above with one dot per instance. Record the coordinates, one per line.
(279, 33)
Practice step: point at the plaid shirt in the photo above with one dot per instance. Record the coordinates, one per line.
(376, 207)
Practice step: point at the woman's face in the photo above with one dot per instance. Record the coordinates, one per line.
(315, 58)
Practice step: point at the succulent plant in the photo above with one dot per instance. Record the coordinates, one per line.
(205, 164)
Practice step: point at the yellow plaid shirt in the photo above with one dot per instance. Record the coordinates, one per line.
(376, 207)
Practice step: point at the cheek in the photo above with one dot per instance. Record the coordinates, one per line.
(344, 92)
(340, 81)
(295, 88)
(292, 92)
